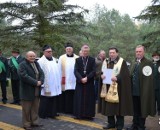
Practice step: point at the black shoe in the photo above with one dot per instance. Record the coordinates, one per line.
(37, 125)
(13, 102)
(108, 127)
(133, 127)
(77, 118)
(18, 103)
(4, 101)
(27, 128)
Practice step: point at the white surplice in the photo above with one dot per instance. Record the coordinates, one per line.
(70, 79)
(52, 76)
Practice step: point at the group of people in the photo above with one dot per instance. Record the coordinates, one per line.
(136, 89)
(72, 84)
(8, 69)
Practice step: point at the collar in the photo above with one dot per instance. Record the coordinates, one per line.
(49, 58)
(70, 55)
(114, 61)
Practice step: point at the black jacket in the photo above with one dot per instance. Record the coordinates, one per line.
(4, 74)
(28, 81)
(13, 70)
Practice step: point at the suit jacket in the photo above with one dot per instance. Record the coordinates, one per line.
(13, 70)
(28, 81)
(4, 74)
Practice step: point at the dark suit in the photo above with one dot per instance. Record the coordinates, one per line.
(3, 77)
(15, 79)
(28, 91)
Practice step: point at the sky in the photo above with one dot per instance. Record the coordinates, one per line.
(131, 7)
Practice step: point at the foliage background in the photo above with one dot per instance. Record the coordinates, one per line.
(54, 22)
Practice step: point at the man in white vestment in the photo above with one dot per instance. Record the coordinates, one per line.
(66, 64)
(51, 87)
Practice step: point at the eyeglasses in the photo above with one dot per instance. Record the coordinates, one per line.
(48, 51)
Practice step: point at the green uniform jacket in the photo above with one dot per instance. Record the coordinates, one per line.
(28, 80)
(146, 84)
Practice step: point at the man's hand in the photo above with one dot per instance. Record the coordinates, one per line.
(103, 76)
(84, 80)
(114, 79)
(39, 83)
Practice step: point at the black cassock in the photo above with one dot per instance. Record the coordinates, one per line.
(84, 98)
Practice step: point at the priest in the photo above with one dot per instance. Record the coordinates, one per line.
(84, 98)
(66, 64)
(51, 87)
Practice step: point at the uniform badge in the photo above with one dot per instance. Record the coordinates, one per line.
(147, 70)
(159, 69)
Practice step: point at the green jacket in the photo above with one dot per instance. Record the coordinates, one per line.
(146, 84)
(28, 80)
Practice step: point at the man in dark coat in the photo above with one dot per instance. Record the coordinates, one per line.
(156, 72)
(3, 76)
(120, 75)
(14, 62)
(99, 60)
(142, 89)
(31, 79)
(84, 98)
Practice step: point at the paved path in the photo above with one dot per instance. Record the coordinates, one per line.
(10, 119)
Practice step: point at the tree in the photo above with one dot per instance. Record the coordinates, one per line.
(40, 22)
(110, 28)
(151, 15)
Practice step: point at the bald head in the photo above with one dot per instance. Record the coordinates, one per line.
(85, 50)
(30, 56)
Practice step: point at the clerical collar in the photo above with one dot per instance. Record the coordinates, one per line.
(70, 55)
(49, 58)
(113, 61)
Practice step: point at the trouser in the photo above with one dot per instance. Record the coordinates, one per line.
(15, 90)
(138, 120)
(96, 83)
(119, 124)
(30, 112)
(157, 100)
(4, 91)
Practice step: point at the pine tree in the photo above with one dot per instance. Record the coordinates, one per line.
(39, 22)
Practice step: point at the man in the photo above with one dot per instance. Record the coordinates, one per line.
(3, 76)
(142, 89)
(120, 74)
(31, 79)
(99, 60)
(156, 72)
(66, 64)
(84, 99)
(51, 87)
(14, 62)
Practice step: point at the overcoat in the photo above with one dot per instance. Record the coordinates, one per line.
(28, 80)
(146, 84)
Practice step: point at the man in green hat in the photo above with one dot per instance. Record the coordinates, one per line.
(14, 62)
(3, 76)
